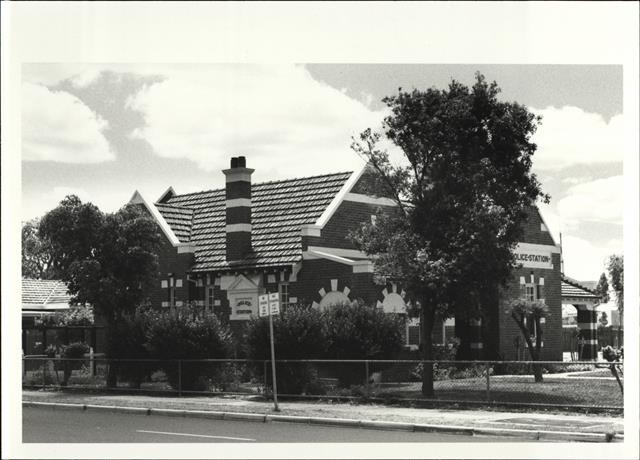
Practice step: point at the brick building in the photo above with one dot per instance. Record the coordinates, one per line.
(222, 248)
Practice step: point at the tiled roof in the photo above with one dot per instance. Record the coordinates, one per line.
(278, 210)
(572, 288)
(179, 219)
(44, 292)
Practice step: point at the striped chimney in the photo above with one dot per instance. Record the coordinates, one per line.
(238, 209)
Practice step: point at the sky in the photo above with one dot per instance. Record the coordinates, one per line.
(102, 131)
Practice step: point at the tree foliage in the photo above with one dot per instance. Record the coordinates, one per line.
(462, 192)
(75, 316)
(37, 259)
(107, 260)
(615, 267)
(602, 289)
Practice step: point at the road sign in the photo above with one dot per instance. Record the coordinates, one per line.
(274, 303)
(263, 305)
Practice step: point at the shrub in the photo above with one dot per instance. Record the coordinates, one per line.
(74, 352)
(358, 331)
(188, 336)
(127, 342)
(299, 333)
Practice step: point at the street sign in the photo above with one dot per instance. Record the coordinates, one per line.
(274, 303)
(263, 305)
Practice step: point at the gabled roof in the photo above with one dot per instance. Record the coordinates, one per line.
(572, 288)
(179, 218)
(278, 211)
(44, 294)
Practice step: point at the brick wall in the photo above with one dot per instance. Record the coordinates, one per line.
(347, 217)
(552, 329)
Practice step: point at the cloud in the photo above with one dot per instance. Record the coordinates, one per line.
(207, 115)
(57, 126)
(570, 136)
(585, 261)
(45, 202)
(600, 200)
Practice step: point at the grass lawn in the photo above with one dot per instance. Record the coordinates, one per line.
(516, 389)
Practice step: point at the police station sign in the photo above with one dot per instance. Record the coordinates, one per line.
(534, 255)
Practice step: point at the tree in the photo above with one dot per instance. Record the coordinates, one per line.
(602, 289)
(462, 195)
(106, 260)
(604, 321)
(615, 267)
(37, 259)
(527, 315)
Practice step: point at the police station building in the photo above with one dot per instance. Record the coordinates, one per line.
(223, 248)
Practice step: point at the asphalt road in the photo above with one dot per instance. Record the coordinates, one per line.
(44, 425)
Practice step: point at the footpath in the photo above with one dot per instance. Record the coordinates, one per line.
(531, 425)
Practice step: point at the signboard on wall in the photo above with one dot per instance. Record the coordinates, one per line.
(534, 256)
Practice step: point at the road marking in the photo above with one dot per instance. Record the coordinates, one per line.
(196, 435)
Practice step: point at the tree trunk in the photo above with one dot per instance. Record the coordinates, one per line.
(112, 370)
(533, 352)
(427, 350)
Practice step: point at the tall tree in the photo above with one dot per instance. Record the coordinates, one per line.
(37, 261)
(602, 289)
(107, 260)
(462, 195)
(615, 267)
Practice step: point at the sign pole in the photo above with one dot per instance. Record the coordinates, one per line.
(273, 365)
(269, 305)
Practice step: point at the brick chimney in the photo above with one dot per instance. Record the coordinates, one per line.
(238, 208)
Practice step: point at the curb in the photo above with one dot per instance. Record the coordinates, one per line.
(340, 422)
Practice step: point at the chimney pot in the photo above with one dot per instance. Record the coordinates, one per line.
(242, 162)
(234, 162)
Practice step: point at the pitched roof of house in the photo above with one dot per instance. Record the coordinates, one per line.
(43, 293)
(278, 211)
(573, 288)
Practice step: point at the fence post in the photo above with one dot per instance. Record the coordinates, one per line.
(179, 377)
(486, 369)
(366, 377)
(44, 371)
(92, 363)
(264, 374)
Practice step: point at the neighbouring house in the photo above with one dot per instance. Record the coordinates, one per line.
(42, 298)
(582, 312)
(223, 248)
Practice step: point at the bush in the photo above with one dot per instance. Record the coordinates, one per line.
(127, 341)
(358, 331)
(187, 335)
(74, 352)
(299, 333)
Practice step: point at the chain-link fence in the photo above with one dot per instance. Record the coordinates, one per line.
(567, 384)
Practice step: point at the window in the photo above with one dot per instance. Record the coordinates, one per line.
(530, 293)
(171, 291)
(283, 290)
(209, 301)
